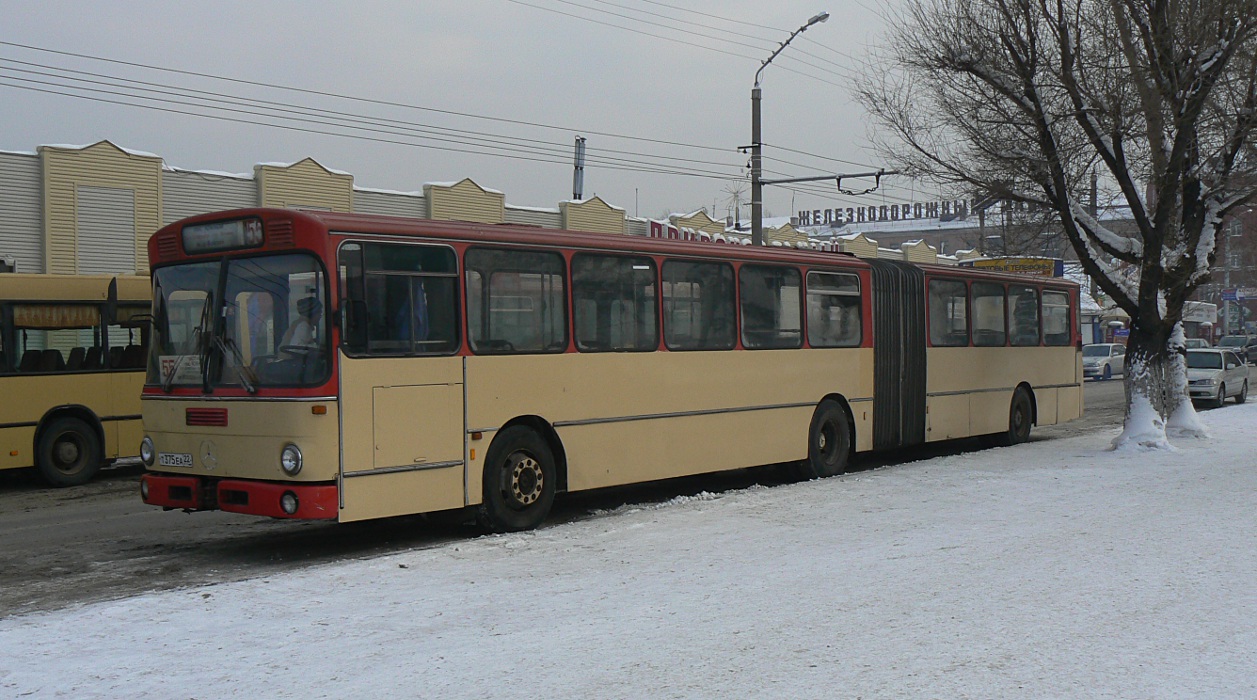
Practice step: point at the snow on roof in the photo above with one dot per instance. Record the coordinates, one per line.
(278, 164)
(466, 179)
(124, 149)
(590, 199)
(377, 190)
(544, 210)
(208, 173)
(19, 153)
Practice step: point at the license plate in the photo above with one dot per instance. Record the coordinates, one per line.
(174, 459)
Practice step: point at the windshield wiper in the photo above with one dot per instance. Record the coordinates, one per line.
(247, 378)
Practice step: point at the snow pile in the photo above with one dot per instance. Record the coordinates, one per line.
(1058, 568)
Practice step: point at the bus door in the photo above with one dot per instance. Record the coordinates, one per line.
(401, 383)
(898, 354)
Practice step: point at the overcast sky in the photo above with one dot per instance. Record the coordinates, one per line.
(530, 61)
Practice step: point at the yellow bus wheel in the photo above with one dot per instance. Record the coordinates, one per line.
(69, 452)
(519, 481)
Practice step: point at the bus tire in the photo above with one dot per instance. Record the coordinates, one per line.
(1020, 417)
(828, 442)
(519, 481)
(69, 452)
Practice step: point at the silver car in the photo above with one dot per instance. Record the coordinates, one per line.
(1103, 360)
(1214, 374)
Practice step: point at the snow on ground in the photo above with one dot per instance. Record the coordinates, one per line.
(1056, 569)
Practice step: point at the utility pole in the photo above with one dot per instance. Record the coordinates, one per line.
(757, 183)
(578, 173)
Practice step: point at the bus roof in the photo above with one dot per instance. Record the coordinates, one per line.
(379, 224)
(24, 286)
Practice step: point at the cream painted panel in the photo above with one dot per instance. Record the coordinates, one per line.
(385, 495)
(1069, 405)
(1046, 406)
(382, 495)
(989, 411)
(947, 417)
(416, 425)
(623, 453)
(248, 447)
(584, 387)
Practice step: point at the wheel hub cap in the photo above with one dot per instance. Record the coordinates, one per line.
(526, 480)
(67, 452)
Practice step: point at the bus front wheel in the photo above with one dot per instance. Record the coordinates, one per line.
(829, 442)
(519, 481)
(69, 452)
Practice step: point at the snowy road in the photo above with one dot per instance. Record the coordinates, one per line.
(1055, 569)
(61, 547)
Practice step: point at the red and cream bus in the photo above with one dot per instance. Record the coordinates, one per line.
(321, 365)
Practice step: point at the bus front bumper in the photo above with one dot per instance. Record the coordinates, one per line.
(265, 498)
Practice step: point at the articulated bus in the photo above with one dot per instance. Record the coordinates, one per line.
(72, 357)
(319, 365)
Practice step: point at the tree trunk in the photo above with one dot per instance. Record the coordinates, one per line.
(1157, 399)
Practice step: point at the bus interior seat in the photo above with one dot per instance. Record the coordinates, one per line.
(51, 360)
(92, 361)
(115, 357)
(132, 357)
(30, 361)
(77, 355)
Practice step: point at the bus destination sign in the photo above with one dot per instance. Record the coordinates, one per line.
(218, 236)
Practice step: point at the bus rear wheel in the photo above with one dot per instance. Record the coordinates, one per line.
(828, 443)
(519, 482)
(1020, 417)
(69, 453)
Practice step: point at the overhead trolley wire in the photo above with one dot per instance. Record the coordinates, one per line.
(412, 144)
(385, 103)
(463, 136)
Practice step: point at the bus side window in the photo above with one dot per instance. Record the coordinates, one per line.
(698, 305)
(406, 302)
(1055, 318)
(353, 305)
(833, 310)
(1023, 315)
(949, 315)
(613, 303)
(516, 301)
(770, 303)
(989, 315)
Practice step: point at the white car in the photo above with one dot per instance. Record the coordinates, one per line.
(1213, 375)
(1103, 360)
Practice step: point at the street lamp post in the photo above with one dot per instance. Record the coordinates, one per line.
(757, 186)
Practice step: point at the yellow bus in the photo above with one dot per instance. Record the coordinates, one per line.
(320, 365)
(72, 357)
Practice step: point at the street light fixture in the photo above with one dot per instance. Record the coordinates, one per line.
(757, 186)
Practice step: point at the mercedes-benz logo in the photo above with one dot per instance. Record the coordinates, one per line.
(208, 458)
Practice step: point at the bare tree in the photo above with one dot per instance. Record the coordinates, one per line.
(1023, 98)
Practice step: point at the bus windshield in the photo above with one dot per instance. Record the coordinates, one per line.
(246, 322)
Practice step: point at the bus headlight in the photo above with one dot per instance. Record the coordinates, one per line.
(147, 451)
(290, 460)
(288, 503)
